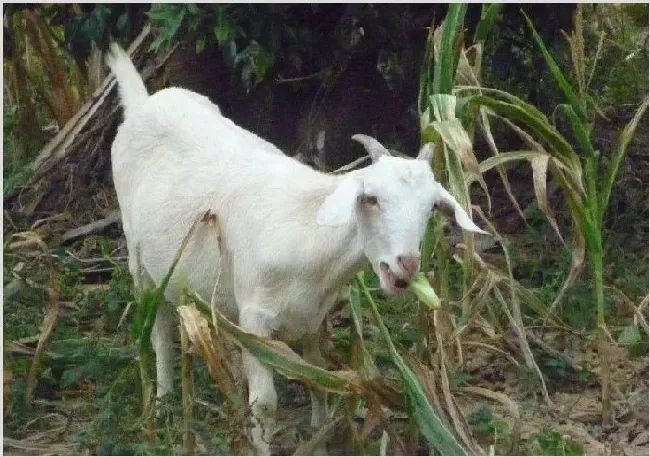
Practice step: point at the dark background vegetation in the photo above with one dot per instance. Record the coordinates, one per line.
(294, 73)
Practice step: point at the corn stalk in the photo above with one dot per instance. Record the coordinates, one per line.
(586, 185)
(436, 110)
(444, 121)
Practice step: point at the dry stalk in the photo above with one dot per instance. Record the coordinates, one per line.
(523, 345)
(321, 436)
(515, 317)
(489, 347)
(212, 220)
(145, 380)
(189, 440)
(451, 407)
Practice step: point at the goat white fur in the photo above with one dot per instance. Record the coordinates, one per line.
(291, 236)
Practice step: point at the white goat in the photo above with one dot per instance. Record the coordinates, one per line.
(291, 236)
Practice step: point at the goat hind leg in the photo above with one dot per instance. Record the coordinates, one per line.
(161, 337)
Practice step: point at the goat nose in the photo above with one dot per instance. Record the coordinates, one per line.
(410, 264)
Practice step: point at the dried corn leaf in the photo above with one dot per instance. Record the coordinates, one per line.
(454, 135)
(209, 346)
(540, 168)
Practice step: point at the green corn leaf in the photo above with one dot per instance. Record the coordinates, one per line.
(152, 298)
(280, 357)
(456, 138)
(580, 131)
(619, 152)
(489, 12)
(578, 104)
(581, 134)
(417, 403)
(426, 75)
(559, 146)
(149, 308)
(428, 244)
(450, 46)
(461, 103)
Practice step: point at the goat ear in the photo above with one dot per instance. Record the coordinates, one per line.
(448, 205)
(375, 148)
(426, 153)
(339, 206)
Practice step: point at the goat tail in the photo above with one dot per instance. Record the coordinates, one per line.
(131, 86)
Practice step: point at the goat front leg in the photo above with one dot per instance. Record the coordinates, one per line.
(312, 354)
(262, 396)
(311, 351)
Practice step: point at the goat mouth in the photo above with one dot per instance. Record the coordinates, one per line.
(392, 282)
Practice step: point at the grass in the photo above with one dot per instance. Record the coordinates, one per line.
(92, 362)
(85, 343)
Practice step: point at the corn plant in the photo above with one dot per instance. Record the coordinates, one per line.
(454, 164)
(585, 180)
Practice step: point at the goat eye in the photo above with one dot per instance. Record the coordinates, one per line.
(370, 200)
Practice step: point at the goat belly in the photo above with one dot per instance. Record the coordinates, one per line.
(302, 314)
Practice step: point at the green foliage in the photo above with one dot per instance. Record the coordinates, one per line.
(618, 72)
(451, 44)
(552, 442)
(629, 335)
(489, 13)
(111, 430)
(578, 104)
(90, 26)
(22, 311)
(459, 378)
(82, 359)
(168, 18)
(243, 51)
(484, 423)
